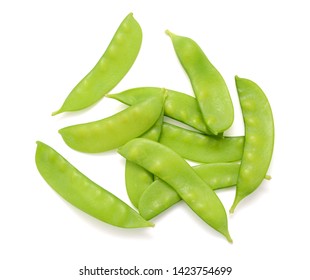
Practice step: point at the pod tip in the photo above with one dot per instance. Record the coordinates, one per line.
(229, 239)
(233, 207)
(168, 32)
(225, 232)
(268, 177)
(112, 95)
(56, 112)
(150, 224)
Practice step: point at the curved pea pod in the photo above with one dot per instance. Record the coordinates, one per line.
(259, 138)
(160, 196)
(179, 106)
(83, 193)
(114, 131)
(173, 169)
(209, 86)
(136, 177)
(199, 147)
(109, 70)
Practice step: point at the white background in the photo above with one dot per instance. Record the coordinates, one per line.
(48, 46)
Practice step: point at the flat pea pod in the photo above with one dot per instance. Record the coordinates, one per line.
(259, 138)
(159, 196)
(209, 86)
(199, 147)
(114, 131)
(83, 193)
(136, 177)
(109, 70)
(178, 106)
(173, 169)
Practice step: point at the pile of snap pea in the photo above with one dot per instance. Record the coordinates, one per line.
(165, 162)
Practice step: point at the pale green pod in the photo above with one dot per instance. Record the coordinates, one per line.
(178, 106)
(109, 70)
(199, 147)
(114, 131)
(259, 138)
(173, 169)
(160, 196)
(208, 84)
(83, 193)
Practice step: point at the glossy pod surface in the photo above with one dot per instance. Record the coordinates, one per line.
(160, 196)
(109, 70)
(179, 106)
(259, 138)
(173, 169)
(83, 193)
(116, 130)
(209, 86)
(199, 147)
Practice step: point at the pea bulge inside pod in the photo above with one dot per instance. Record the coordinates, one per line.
(208, 84)
(114, 131)
(111, 68)
(81, 192)
(259, 138)
(173, 169)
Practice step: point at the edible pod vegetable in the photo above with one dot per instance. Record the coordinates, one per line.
(199, 147)
(114, 131)
(109, 70)
(259, 138)
(83, 193)
(173, 169)
(178, 106)
(208, 84)
(159, 196)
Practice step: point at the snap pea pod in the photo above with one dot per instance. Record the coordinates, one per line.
(83, 193)
(159, 196)
(136, 177)
(259, 138)
(179, 106)
(173, 169)
(199, 147)
(114, 131)
(209, 86)
(109, 70)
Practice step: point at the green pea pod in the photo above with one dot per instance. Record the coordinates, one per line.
(179, 106)
(259, 138)
(209, 86)
(173, 169)
(114, 131)
(137, 178)
(83, 193)
(200, 147)
(109, 70)
(160, 196)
